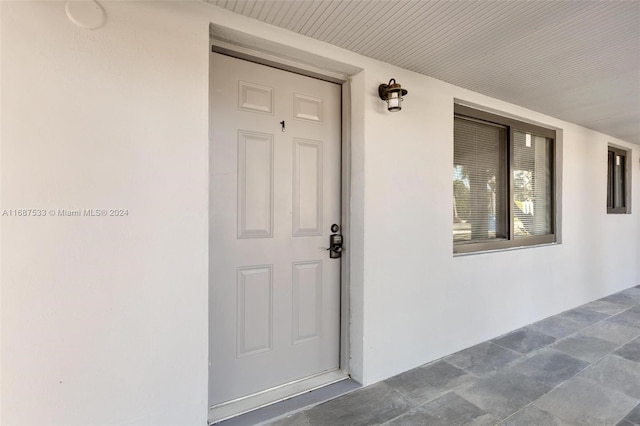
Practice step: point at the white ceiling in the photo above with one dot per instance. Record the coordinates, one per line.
(578, 60)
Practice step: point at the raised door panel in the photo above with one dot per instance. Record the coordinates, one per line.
(254, 310)
(255, 185)
(307, 301)
(307, 188)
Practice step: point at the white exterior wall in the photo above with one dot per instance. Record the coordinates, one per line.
(104, 320)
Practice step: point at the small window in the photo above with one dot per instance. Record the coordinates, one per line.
(617, 181)
(503, 182)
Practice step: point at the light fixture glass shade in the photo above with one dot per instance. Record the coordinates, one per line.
(394, 103)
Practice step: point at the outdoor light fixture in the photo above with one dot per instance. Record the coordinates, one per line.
(392, 93)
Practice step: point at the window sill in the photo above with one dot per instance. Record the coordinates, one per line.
(505, 249)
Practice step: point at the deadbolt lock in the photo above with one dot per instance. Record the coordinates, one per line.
(335, 243)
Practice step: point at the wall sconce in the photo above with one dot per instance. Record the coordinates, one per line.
(392, 93)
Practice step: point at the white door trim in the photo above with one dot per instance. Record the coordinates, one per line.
(234, 408)
(236, 43)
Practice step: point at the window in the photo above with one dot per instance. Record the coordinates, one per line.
(617, 181)
(503, 182)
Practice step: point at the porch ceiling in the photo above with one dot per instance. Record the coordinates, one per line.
(577, 60)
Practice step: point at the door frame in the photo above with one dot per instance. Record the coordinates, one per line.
(234, 47)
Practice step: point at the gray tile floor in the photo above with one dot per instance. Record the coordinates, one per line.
(580, 367)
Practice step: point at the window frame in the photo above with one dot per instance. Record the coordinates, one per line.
(611, 182)
(512, 126)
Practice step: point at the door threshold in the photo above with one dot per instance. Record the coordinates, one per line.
(292, 405)
(251, 403)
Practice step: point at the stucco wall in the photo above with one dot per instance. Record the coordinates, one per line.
(104, 320)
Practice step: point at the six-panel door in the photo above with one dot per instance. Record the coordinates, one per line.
(275, 192)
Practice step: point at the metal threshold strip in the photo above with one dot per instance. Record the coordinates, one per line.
(237, 407)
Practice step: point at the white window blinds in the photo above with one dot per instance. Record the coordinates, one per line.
(479, 181)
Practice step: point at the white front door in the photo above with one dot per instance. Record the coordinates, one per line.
(275, 192)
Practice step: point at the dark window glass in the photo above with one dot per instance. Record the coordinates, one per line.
(532, 185)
